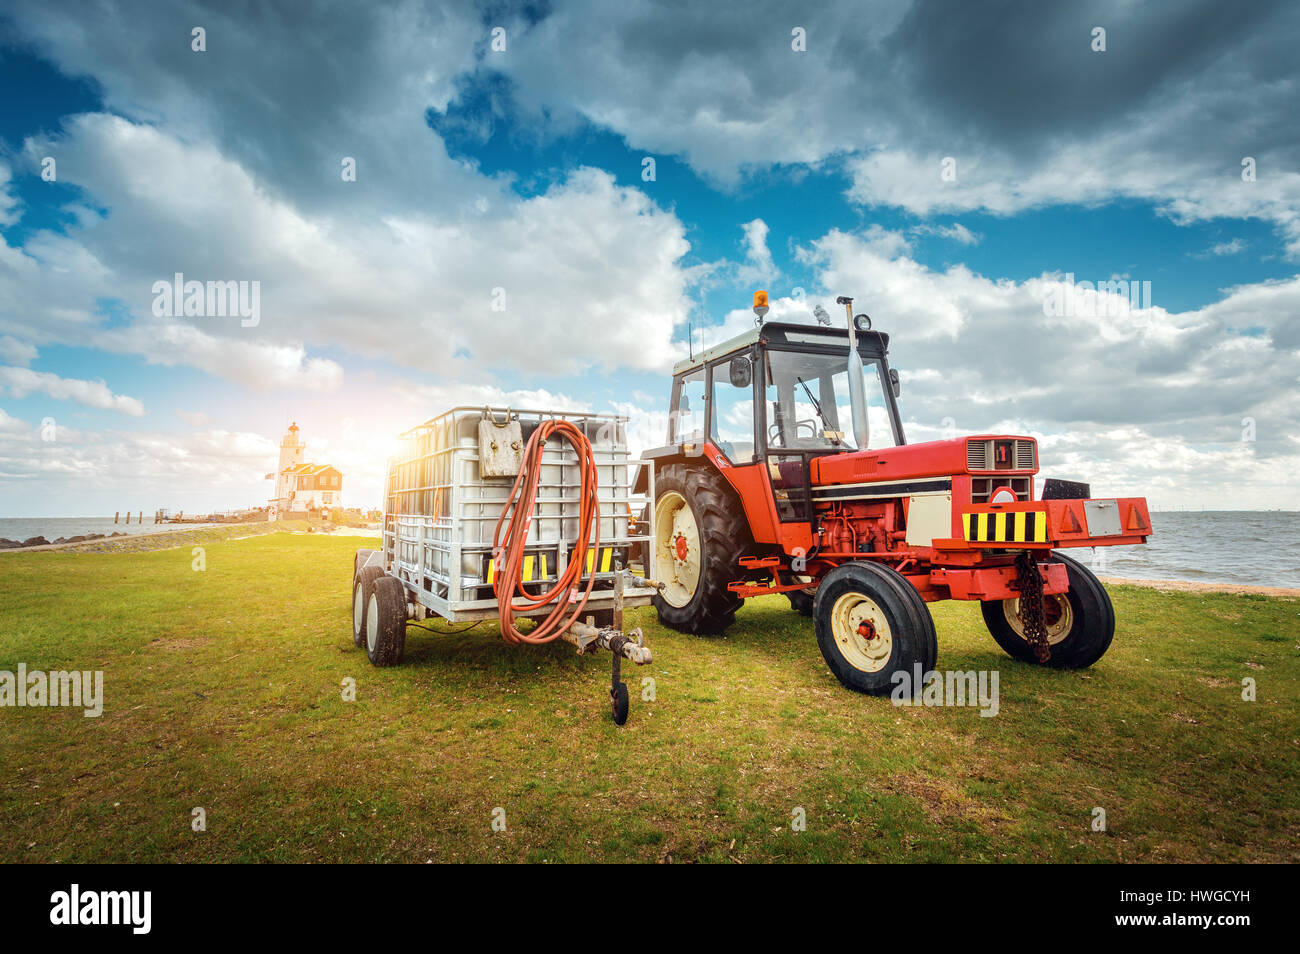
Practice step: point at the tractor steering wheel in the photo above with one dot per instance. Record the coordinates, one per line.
(774, 432)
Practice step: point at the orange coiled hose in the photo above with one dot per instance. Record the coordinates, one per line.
(511, 537)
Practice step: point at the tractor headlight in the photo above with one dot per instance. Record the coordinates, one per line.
(862, 322)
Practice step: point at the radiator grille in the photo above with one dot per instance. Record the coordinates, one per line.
(979, 455)
(981, 488)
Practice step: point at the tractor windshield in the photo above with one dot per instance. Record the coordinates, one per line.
(807, 402)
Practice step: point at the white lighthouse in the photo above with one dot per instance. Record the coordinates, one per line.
(302, 488)
(291, 451)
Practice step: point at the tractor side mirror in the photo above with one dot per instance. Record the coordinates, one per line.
(741, 372)
(893, 382)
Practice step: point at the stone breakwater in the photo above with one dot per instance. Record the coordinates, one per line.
(163, 540)
(7, 544)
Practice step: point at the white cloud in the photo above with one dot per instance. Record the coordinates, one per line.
(9, 205)
(13, 351)
(10, 423)
(1137, 399)
(203, 171)
(21, 382)
(588, 269)
(956, 232)
(87, 472)
(1228, 248)
(758, 267)
(1114, 167)
(1030, 123)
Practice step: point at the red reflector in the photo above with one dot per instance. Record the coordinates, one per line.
(1135, 521)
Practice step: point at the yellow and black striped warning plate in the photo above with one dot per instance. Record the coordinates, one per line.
(545, 565)
(1017, 526)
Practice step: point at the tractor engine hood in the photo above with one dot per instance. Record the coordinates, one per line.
(975, 454)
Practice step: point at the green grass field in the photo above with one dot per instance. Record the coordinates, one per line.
(223, 690)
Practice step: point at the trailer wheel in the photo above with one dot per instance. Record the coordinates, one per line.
(360, 557)
(872, 623)
(700, 534)
(386, 622)
(361, 584)
(619, 703)
(1080, 623)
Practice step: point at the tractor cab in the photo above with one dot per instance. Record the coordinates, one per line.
(772, 399)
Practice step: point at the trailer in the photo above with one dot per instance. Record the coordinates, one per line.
(522, 516)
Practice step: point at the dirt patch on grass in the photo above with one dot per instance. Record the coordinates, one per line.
(943, 798)
(181, 642)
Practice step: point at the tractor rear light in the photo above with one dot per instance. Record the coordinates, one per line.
(1003, 495)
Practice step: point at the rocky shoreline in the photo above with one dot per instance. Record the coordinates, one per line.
(160, 540)
(7, 544)
(167, 539)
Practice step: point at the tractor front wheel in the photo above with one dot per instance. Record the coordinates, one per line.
(700, 535)
(872, 624)
(1080, 623)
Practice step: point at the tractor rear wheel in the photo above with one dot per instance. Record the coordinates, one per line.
(801, 601)
(1080, 623)
(871, 624)
(700, 534)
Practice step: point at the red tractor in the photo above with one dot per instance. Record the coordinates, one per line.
(786, 471)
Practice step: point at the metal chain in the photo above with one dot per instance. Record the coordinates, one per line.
(1033, 616)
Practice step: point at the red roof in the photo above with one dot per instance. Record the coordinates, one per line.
(311, 470)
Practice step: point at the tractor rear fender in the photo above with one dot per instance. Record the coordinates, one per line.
(657, 457)
(750, 483)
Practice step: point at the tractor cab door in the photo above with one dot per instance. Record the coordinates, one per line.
(803, 396)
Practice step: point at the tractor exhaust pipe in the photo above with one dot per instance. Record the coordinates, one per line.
(857, 391)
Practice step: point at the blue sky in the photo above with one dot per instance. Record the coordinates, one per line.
(815, 169)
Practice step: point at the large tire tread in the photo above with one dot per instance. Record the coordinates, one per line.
(365, 579)
(915, 640)
(388, 601)
(724, 538)
(1089, 637)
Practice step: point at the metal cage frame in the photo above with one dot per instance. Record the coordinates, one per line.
(429, 553)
